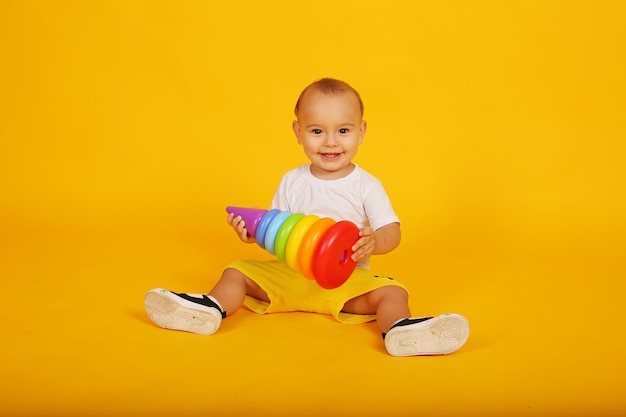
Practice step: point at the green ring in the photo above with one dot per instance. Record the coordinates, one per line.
(283, 235)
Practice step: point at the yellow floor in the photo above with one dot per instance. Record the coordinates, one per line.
(547, 334)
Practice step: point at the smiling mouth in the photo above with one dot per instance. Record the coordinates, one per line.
(330, 156)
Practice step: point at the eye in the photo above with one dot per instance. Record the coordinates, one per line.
(344, 130)
(316, 131)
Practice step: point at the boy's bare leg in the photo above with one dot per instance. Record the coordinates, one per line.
(390, 304)
(232, 288)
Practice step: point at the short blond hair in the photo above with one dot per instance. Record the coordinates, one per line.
(329, 86)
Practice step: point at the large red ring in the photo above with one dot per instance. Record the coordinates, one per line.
(332, 261)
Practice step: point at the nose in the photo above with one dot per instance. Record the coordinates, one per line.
(330, 139)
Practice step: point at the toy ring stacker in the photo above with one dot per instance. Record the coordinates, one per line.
(319, 248)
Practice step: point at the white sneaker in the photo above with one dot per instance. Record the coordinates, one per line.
(427, 335)
(195, 313)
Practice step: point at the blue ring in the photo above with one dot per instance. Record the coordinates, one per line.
(272, 230)
(261, 228)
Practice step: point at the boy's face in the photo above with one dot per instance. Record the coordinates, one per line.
(330, 129)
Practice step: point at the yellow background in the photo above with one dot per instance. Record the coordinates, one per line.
(126, 127)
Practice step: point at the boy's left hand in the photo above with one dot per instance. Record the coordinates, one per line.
(365, 246)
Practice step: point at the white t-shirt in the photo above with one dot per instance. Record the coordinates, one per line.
(358, 197)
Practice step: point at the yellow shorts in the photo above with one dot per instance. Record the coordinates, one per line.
(289, 290)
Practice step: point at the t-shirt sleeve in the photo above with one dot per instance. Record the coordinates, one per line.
(378, 206)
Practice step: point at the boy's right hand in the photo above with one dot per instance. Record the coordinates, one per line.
(237, 223)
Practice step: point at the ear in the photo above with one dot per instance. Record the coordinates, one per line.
(296, 129)
(362, 132)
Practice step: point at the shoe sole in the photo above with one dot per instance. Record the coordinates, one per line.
(169, 313)
(441, 335)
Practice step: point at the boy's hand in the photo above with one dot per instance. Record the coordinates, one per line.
(239, 226)
(378, 242)
(365, 246)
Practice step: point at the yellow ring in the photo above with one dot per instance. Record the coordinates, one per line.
(295, 240)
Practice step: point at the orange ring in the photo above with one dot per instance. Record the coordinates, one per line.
(309, 243)
(332, 262)
(296, 238)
